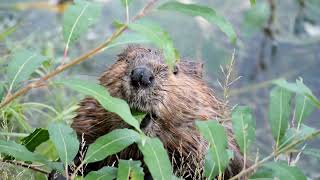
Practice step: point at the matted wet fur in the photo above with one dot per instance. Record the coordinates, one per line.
(174, 101)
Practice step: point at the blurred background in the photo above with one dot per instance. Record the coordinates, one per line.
(276, 38)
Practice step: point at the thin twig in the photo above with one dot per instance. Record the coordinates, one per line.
(22, 164)
(77, 60)
(274, 154)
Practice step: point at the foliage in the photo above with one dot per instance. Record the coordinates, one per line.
(217, 155)
(60, 137)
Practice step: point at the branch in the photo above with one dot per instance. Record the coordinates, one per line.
(274, 154)
(22, 164)
(75, 61)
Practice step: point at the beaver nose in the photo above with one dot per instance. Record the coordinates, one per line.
(141, 77)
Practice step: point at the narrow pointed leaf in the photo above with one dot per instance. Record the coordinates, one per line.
(255, 18)
(155, 34)
(128, 169)
(304, 107)
(294, 135)
(217, 157)
(21, 153)
(279, 111)
(111, 143)
(100, 93)
(78, 18)
(243, 126)
(8, 31)
(17, 151)
(298, 88)
(253, 2)
(22, 64)
(107, 173)
(36, 138)
(126, 2)
(65, 141)
(128, 38)
(207, 13)
(156, 158)
(279, 170)
(1, 91)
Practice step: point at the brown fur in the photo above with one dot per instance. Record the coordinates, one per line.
(175, 101)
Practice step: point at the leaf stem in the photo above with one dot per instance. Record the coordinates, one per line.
(77, 60)
(22, 164)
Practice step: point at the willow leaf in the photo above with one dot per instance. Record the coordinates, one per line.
(304, 107)
(155, 34)
(78, 18)
(111, 143)
(156, 158)
(207, 13)
(65, 141)
(22, 64)
(279, 112)
(107, 173)
(128, 169)
(34, 139)
(100, 93)
(217, 157)
(243, 125)
(278, 170)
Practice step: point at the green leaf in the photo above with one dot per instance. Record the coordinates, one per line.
(207, 13)
(255, 18)
(217, 157)
(1, 91)
(156, 158)
(117, 24)
(279, 112)
(126, 2)
(100, 93)
(8, 31)
(107, 173)
(18, 151)
(312, 152)
(304, 107)
(293, 135)
(78, 18)
(253, 2)
(65, 141)
(36, 138)
(298, 88)
(111, 143)
(138, 115)
(307, 92)
(154, 33)
(128, 38)
(21, 66)
(128, 169)
(243, 125)
(279, 170)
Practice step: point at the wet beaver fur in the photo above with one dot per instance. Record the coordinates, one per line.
(173, 100)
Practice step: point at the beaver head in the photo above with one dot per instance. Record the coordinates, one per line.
(172, 99)
(142, 78)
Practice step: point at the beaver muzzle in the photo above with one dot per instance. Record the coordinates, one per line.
(141, 77)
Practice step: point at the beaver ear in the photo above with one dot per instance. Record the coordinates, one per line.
(192, 68)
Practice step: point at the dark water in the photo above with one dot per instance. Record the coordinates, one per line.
(291, 54)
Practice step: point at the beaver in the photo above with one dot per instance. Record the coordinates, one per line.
(172, 99)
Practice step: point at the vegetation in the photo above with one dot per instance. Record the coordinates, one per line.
(290, 103)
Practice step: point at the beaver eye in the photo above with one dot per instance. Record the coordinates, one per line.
(175, 70)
